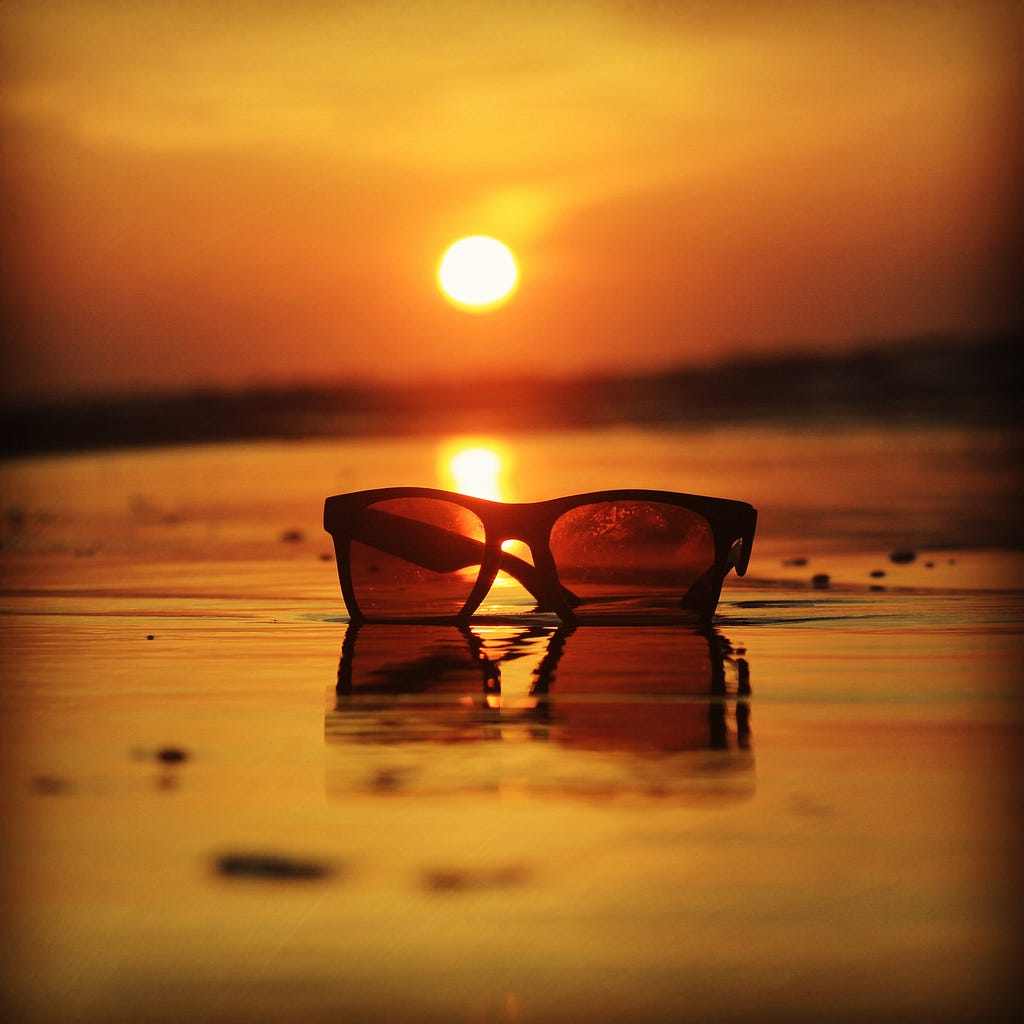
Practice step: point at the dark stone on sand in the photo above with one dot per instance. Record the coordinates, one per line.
(270, 867)
(877, 574)
(876, 588)
(171, 755)
(292, 536)
(325, 557)
(461, 879)
(149, 636)
(902, 557)
(387, 780)
(821, 580)
(795, 561)
(446, 879)
(51, 785)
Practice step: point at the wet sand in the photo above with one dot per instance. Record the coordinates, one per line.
(222, 804)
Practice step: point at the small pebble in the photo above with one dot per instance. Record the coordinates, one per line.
(171, 755)
(51, 785)
(387, 780)
(292, 536)
(325, 557)
(461, 879)
(270, 866)
(446, 879)
(902, 557)
(795, 561)
(149, 636)
(821, 581)
(877, 574)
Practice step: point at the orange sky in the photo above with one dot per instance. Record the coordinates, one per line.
(241, 193)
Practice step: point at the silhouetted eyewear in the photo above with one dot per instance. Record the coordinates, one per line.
(419, 554)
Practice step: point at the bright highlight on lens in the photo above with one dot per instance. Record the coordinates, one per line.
(477, 273)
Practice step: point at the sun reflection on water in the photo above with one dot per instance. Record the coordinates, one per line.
(481, 467)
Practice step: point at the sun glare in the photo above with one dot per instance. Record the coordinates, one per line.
(477, 471)
(478, 468)
(474, 465)
(477, 273)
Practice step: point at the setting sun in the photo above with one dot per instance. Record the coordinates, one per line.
(477, 273)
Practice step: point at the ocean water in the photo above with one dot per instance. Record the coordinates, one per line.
(222, 801)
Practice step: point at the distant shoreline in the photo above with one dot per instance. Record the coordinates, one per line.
(928, 381)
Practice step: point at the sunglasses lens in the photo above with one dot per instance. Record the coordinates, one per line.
(622, 557)
(415, 558)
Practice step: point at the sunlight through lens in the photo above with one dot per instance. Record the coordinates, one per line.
(631, 555)
(415, 557)
(477, 273)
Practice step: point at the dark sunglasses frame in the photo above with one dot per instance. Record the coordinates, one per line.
(732, 525)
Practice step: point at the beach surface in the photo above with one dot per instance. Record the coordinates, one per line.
(222, 803)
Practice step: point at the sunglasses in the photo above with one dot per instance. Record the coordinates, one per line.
(418, 554)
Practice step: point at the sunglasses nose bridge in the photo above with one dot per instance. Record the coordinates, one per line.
(519, 525)
(524, 527)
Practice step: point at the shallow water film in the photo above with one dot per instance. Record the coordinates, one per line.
(224, 802)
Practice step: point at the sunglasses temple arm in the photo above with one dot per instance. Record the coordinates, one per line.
(440, 550)
(746, 544)
(531, 579)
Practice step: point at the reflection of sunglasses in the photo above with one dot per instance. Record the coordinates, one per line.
(416, 553)
(651, 690)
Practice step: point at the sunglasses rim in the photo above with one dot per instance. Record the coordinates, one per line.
(729, 520)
